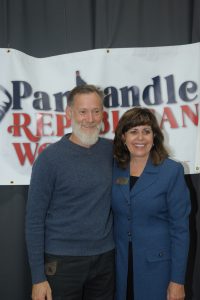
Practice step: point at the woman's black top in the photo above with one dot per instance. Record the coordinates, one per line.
(129, 293)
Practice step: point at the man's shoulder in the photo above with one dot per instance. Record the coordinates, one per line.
(52, 147)
(50, 151)
(105, 145)
(106, 141)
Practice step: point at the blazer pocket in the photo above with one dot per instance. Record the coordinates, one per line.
(158, 255)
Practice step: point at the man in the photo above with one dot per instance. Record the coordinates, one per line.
(69, 221)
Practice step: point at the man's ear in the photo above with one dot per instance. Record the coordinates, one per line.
(68, 113)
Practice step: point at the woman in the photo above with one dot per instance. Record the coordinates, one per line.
(151, 207)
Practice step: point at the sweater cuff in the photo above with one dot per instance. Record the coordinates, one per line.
(38, 275)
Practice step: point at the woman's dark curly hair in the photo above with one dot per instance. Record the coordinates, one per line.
(133, 117)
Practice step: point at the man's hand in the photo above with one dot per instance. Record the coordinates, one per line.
(175, 291)
(41, 291)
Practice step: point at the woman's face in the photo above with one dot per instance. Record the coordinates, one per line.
(139, 141)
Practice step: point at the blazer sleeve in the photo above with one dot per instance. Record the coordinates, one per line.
(179, 209)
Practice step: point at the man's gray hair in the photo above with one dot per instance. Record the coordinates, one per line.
(84, 89)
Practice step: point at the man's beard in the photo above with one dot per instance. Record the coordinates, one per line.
(86, 138)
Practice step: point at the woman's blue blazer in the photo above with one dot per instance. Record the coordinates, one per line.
(154, 215)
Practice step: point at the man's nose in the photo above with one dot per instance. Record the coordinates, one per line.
(90, 116)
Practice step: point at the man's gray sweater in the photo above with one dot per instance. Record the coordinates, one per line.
(68, 208)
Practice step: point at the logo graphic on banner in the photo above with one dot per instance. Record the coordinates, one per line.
(33, 99)
(5, 102)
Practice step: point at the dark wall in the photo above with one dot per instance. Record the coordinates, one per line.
(15, 281)
(48, 27)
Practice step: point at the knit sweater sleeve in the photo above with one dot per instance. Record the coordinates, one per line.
(40, 192)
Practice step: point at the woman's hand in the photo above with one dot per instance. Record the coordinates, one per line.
(175, 291)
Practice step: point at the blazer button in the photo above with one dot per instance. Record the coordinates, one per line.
(160, 254)
(129, 234)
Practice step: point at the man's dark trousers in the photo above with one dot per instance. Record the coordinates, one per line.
(81, 277)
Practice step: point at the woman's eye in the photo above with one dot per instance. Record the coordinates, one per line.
(133, 131)
(147, 131)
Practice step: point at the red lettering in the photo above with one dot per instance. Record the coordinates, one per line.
(24, 152)
(62, 123)
(186, 110)
(41, 124)
(115, 117)
(168, 117)
(19, 125)
(106, 123)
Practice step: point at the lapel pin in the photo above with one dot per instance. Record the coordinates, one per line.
(122, 180)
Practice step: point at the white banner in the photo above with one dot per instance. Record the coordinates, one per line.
(33, 98)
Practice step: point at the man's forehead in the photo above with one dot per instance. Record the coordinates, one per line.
(87, 100)
(88, 107)
(87, 95)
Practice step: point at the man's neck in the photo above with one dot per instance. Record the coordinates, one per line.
(74, 139)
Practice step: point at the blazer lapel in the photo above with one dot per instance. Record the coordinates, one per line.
(147, 178)
(122, 179)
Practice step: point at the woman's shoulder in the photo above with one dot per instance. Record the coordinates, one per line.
(172, 164)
